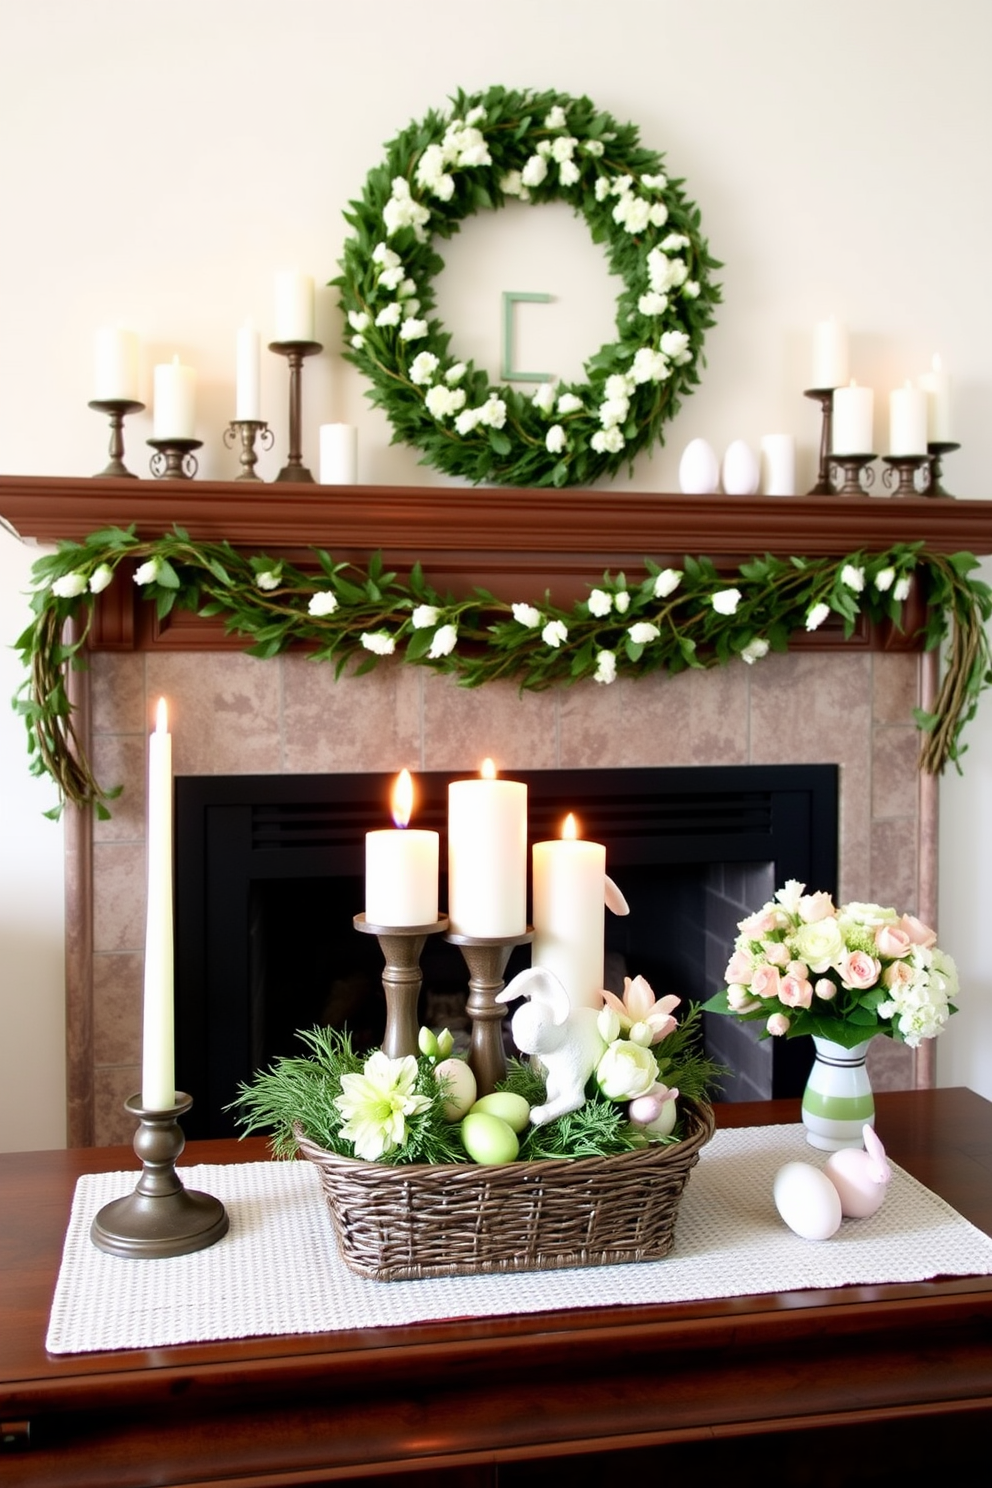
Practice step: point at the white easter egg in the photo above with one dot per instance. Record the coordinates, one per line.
(852, 1173)
(740, 470)
(460, 1089)
(699, 469)
(807, 1201)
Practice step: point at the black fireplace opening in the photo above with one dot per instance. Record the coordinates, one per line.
(270, 874)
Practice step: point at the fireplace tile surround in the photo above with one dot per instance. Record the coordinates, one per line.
(231, 714)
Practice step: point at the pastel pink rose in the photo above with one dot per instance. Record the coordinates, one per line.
(813, 907)
(825, 989)
(739, 968)
(918, 933)
(776, 954)
(858, 970)
(892, 940)
(762, 923)
(777, 1024)
(798, 969)
(899, 974)
(795, 992)
(766, 981)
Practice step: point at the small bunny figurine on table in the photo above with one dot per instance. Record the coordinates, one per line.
(860, 1177)
(564, 1039)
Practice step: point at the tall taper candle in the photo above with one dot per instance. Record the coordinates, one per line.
(570, 914)
(248, 403)
(175, 401)
(487, 855)
(937, 385)
(158, 1074)
(294, 306)
(115, 371)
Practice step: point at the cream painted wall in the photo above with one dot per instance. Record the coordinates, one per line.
(159, 162)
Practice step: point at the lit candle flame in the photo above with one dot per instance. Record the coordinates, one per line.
(570, 830)
(487, 769)
(161, 718)
(401, 800)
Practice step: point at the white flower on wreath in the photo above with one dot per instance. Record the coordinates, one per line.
(632, 213)
(512, 184)
(755, 650)
(675, 346)
(569, 173)
(613, 412)
(569, 403)
(554, 440)
(606, 667)
(654, 183)
(527, 615)
(649, 365)
(385, 257)
(359, 320)
(377, 1102)
(467, 420)
(443, 401)
(725, 601)
(600, 603)
(595, 148)
(607, 441)
(563, 148)
(391, 279)
(456, 373)
(601, 190)
(324, 603)
(445, 639)
(555, 633)
(691, 289)
(667, 582)
(493, 412)
(653, 303)
(100, 578)
(68, 586)
(534, 171)
(543, 397)
(402, 211)
(390, 314)
(424, 616)
(423, 367)
(555, 118)
(412, 330)
(358, 342)
(379, 641)
(816, 615)
(643, 631)
(148, 572)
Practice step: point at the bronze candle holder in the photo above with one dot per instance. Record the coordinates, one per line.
(902, 474)
(937, 452)
(295, 352)
(248, 431)
(486, 958)
(401, 946)
(117, 409)
(825, 398)
(161, 1217)
(174, 458)
(855, 474)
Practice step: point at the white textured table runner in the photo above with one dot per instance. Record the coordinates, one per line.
(278, 1269)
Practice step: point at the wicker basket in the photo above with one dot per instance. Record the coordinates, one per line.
(407, 1222)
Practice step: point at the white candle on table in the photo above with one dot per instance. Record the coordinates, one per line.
(908, 421)
(830, 363)
(569, 914)
(401, 867)
(853, 420)
(338, 454)
(487, 855)
(115, 370)
(248, 404)
(937, 385)
(294, 306)
(158, 1075)
(175, 401)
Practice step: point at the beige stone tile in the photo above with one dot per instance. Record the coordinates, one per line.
(696, 718)
(371, 722)
(118, 692)
(894, 778)
(894, 869)
(118, 896)
(463, 725)
(119, 759)
(224, 712)
(895, 686)
(111, 1088)
(117, 993)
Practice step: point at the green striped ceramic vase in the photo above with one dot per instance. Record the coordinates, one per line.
(837, 1101)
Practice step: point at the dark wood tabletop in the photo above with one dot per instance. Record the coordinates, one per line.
(901, 1370)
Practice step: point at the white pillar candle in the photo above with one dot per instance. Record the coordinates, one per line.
(294, 306)
(778, 464)
(853, 420)
(937, 385)
(248, 404)
(908, 421)
(830, 364)
(401, 867)
(487, 855)
(569, 914)
(338, 454)
(158, 1075)
(115, 371)
(175, 401)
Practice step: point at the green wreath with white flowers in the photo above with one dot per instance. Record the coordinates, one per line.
(534, 147)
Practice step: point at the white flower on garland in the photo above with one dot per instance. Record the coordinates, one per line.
(600, 603)
(884, 580)
(606, 667)
(445, 639)
(69, 585)
(555, 633)
(270, 579)
(456, 373)
(100, 578)
(725, 601)
(377, 1102)
(643, 631)
(526, 614)
(554, 440)
(569, 403)
(493, 412)
(379, 641)
(607, 441)
(613, 412)
(442, 401)
(423, 367)
(755, 650)
(816, 616)
(424, 616)
(148, 572)
(543, 397)
(667, 582)
(324, 603)
(622, 601)
(902, 588)
(852, 577)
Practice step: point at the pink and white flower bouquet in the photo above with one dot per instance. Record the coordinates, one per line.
(803, 966)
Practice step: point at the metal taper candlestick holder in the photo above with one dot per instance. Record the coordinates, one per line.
(902, 473)
(486, 958)
(161, 1217)
(248, 431)
(825, 398)
(174, 458)
(855, 475)
(295, 352)
(117, 410)
(401, 947)
(937, 452)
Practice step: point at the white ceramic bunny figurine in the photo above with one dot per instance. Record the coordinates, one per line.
(564, 1039)
(860, 1177)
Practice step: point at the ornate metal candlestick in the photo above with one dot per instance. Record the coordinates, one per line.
(486, 960)
(856, 475)
(937, 453)
(401, 947)
(825, 398)
(161, 1217)
(294, 352)
(248, 430)
(903, 468)
(118, 409)
(174, 458)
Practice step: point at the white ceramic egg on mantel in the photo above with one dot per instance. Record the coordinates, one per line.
(741, 472)
(699, 469)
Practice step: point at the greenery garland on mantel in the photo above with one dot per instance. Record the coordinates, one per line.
(666, 619)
